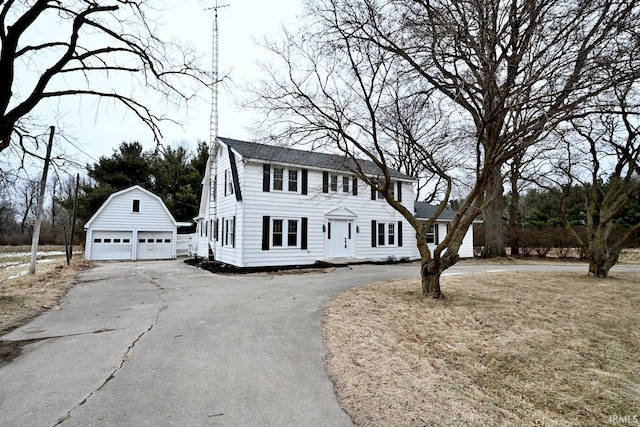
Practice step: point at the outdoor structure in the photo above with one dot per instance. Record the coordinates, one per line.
(425, 211)
(133, 224)
(266, 205)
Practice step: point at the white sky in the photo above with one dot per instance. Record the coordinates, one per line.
(97, 131)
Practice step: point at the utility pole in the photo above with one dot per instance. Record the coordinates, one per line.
(75, 212)
(40, 210)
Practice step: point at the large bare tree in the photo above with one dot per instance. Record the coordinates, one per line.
(608, 144)
(504, 73)
(52, 49)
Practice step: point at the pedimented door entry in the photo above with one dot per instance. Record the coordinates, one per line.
(340, 242)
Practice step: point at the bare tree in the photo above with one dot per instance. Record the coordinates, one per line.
(611, 177)
(506, 71)
(28, 199)
(93, 41)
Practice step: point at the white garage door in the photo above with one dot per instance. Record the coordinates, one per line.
(111, 245)
(155, 245)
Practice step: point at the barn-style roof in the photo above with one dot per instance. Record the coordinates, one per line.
(285, 155)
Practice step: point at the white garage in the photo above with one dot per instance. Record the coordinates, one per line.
(133, 224)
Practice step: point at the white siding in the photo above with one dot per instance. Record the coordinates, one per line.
(117, 215)
(314, 206)
(466, 248)
(227, 207)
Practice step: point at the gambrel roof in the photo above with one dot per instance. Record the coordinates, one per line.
(276, 154)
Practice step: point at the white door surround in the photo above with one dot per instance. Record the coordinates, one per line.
(340, 235)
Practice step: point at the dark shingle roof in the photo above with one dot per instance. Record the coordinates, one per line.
(425, 211)
(272, 153)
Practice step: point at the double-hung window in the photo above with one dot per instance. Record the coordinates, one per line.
(228, 182)
(292, 232)
(293, 180)
(391, 234)
(334, 183)
(431, 234)
(284, 233)
(285, 180)
(345, 184)
(386, 234)
(278, 178)
(229, 230)
(277, 232)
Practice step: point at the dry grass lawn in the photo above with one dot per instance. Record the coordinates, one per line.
(517, 349)
(24, 296)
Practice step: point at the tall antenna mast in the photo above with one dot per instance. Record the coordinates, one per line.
(213, 123)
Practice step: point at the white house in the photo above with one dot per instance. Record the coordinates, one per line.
(265, 205)
(133, 224)
(425, 211)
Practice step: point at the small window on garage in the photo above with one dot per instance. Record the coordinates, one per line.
(167, 240)
(116, 240)
(97, 240)
(107, 240)
(140, 240)
(136, 205)
(126, 241)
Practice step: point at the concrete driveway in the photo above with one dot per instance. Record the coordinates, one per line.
(163, 343)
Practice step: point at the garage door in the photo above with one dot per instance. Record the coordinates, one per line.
(111, 245)
(155, 245)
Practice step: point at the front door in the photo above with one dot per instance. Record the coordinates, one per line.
(339, 238)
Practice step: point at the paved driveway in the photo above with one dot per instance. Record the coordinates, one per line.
(162, 343)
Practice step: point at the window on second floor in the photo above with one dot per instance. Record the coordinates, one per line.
(136, 205)
(228, 182)
(339, 184)
(293, 180)
(278, 178)
(334, 183)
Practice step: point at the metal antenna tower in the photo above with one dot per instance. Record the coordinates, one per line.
(213, 123)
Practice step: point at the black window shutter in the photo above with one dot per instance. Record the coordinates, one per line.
(233, 237)
(399, 233)
(234, 176)
(304, 181)
(225, 183)
(399, 192)
(436, 228)
(266, 221)
(374, 228)
(303, 237)
(217, 230)
(373, 193)
(325, 182)
(329, 231)
(266, 178)
(355, 186)
(224, 231)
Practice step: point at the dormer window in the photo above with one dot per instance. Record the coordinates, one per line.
(136, 205)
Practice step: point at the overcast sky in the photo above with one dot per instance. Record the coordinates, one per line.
(99, 130)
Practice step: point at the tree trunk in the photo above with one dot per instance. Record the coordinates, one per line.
(493, 229)
(514, 207)
(602, 258)
(431, 280)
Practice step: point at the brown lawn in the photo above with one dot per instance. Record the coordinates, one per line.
(24, 296)
(516, 349)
